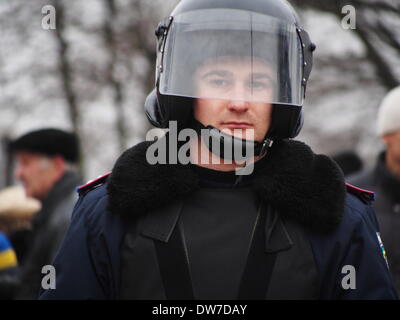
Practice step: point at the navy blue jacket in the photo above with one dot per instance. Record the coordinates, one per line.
(387, 207)
(339, 222)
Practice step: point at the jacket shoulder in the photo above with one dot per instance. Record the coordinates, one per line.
(364, 195)
(92, 203)
(359, 210)
(92, 184)
(359, 203)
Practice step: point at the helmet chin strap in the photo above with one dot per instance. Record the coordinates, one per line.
(217, 137)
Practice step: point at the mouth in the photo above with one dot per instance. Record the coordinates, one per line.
(237, 125)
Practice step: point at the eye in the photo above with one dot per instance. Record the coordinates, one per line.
(218, 82)
(259, 85)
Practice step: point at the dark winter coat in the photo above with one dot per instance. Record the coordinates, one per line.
(387, 207)
(48, 229)
(306, 191)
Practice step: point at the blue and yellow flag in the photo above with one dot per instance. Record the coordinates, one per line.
(8, 259)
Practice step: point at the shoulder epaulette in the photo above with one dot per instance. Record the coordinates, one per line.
(365, 195)
(92, 184)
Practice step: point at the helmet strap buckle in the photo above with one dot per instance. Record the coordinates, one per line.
(265, 146)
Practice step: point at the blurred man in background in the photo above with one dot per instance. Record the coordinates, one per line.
(384, 179)
(46, 165)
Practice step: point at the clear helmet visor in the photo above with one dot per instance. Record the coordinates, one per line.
(232, 55)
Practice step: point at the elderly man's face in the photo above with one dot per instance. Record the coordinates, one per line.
(242, 87)
(392, 141)
(37, 173)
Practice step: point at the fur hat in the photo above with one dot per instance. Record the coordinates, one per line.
(389, 113)
(16, 209)
(50, 142)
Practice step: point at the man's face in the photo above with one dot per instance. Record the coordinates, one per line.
(241, 86)
(392, 141)
(36, 172)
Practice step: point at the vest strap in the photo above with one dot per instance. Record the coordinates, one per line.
(259, 267)
(174, 266)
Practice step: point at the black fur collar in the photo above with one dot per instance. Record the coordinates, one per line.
(301, 185)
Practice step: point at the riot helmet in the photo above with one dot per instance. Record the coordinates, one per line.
(209, 31)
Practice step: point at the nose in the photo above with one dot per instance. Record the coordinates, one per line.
(238, 106)
(238, 99)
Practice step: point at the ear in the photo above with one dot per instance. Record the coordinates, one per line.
(59, 164)
(153, 110)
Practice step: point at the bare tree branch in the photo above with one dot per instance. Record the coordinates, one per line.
(366, 31)
(377, 5)
(383, 69)
(111, 72)
(386, 34)
(66, 75)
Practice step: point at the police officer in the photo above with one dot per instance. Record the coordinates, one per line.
(289, 228)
